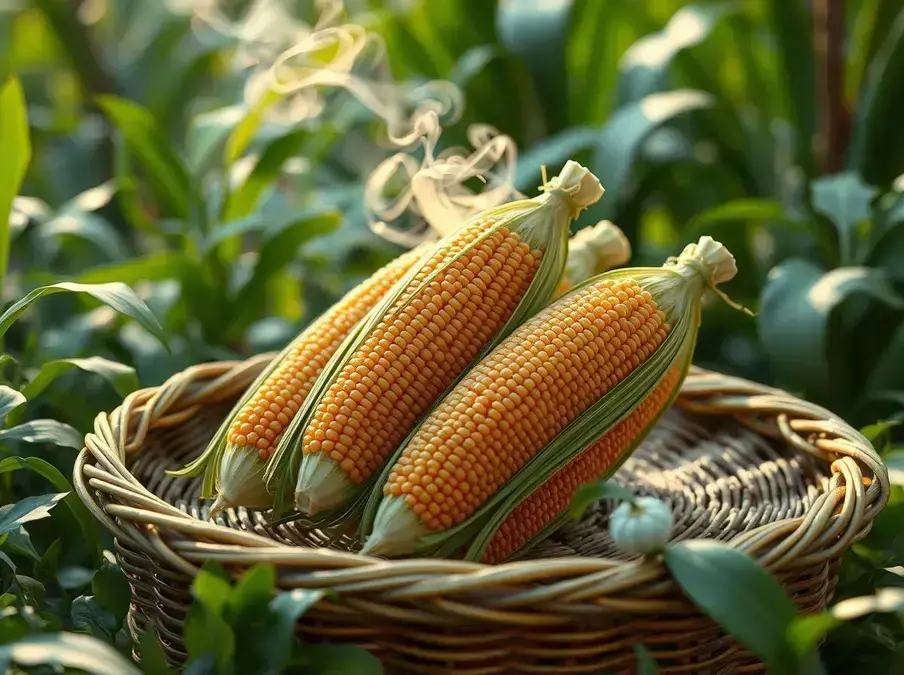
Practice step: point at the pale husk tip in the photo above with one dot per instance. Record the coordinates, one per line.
(396, 529)
(321, 485)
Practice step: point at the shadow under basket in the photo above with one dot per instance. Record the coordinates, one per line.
(781, 479)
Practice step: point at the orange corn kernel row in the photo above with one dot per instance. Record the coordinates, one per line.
(514, 402)
(270, 410)
(554, 497)
(420, 347)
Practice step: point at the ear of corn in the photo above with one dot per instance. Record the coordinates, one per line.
(475, 286)
(235, 459)
(561, 381)
(592, 251)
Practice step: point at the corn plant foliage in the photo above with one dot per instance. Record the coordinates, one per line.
(152, 217)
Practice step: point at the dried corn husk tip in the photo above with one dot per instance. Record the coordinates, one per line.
(594, 250)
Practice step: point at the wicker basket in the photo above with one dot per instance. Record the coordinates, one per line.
(777, 477)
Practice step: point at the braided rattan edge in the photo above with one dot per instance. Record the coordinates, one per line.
(537, 592)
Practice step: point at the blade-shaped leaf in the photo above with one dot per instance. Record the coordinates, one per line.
(740, 595)
(624, 134)
(894, 461)
(10, 399)
(28, 510)
(152, 267)
(88, 227)
(644, 67)
(646, 664)
(91, 199)
(121, 377)
(86, 521)
(72, 650)
(737, 210)
(18, 540)
(45, 431)
(164, 167)
(845, 199)
(794, 315)
(15, 149)
(116, 295)
(552, 152)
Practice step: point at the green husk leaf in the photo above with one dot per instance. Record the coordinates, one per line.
(532, 220)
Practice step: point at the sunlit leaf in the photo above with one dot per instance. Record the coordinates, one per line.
(45, 431)
(72, 650)
(28, 510)
(721, 580)
(116, 295)
(593, 492)
(644, 67)
(845, 199)
(894, 461)
(795, 310)
(624, 134)
(91, 200)
(121, 377)
(15, 149)
(88, 227)
(10, 399)
(164, 167)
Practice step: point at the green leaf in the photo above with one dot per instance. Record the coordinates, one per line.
(244, 199)
(116, 295)
(886, 536)
(206, 631)
(552, 153)
(594, 492)
(153, 660)
(10, 399)
(43, 468)
(742, 210)
(89, 615)
(287, 607)
(19, 541)
(121, 377)
(72, 650)
(243, 132)
(91, 199)
(211, 587)
(252, 592)
(894, 461)
(644, 67)
(877, 135)
(805, 632)
(152, 267)
(112, 590)
(336, 659)
(15, 149)
(538, 33)
(845, 199)
(792, 24)
(45, 431)
(646, 664)
(87, 226)
(739, 595)
(165, 170)
(28, 510)
(623, 135)
(879, 433)
(795, 310)
(208, 136)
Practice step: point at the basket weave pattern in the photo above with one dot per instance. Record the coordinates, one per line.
(777, 477)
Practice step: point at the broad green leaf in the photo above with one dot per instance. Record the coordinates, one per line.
(45, 431)
(805, 632)
(19, 541)
(71, 650)
(287, 607)
(15, 149)
(644, 67)
(112, 590)
(10, 399)
(845, 199)
(28, 510)
(537, 31)
(116, 295)
(877, 135)
(552, 153)
(886, 537)
(87, 226)
(879, 434)
(152, 267)
(471, 63)
(121, 377)
(738, 210)
(209, 134)
(90, 616)
(792, 24)
(91, 199)
(153, 660)
(336, 659)
(794, 317)
(253, 591)
(86, 521)
(211, 587)
(738, 594)
(244, 199)
(624, 134)
(164, 168)
(894, 461)
(646, 664)
(594, 492)
(74, 577)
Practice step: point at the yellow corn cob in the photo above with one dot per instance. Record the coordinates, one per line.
(594, 250)
(477, 283)
(563, 379)
(543, 507)
(237, 456)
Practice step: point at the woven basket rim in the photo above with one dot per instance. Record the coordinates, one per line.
(841, 515)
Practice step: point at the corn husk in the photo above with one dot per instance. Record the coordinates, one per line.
(320, 490)
(389, 527)
(592, 251)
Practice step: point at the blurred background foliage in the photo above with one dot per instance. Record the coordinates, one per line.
(159, 160)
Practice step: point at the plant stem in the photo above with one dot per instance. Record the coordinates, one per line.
(828, 45)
